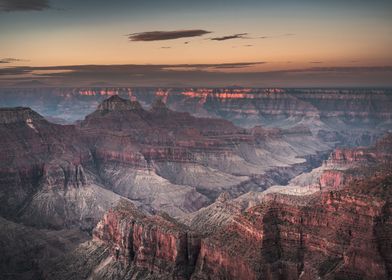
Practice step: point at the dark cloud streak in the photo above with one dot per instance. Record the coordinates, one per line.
(231, 37)
(245, 36)
(10, 60)
(23, 5)
(165, 35)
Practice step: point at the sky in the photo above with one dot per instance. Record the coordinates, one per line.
(259, 43)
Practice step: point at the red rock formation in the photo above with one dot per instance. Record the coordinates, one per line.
(333, 179)
(351, 156)
(122, 131)
(157, 244)
(45, 174)
(326, 235)
(338, 234)
(334, 237)
(31, 149)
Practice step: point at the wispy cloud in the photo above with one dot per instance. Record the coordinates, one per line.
(239, 65)
(231, 37)
(198, 75)
(23, 5)
(126, 69)
(11, 60)
(246, 36)
(166, 35)
(277, 36)
(338, 69)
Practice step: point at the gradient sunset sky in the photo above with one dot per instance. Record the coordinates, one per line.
(195, 43)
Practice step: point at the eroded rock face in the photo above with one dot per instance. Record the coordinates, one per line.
(18, 115)
(379, 152)
(333, 179)
(243, 106)
(334, 238)
(347, 156)
(156, 244)
(342, 232)
(166, 160)
(56, 177)
(116, 103)
(45, 174)
(338, 233)
(178, 163)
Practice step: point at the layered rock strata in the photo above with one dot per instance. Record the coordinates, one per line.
(342, 232)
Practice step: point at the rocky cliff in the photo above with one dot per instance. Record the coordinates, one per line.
(154, 244)
(342, 233)
(335, 235)
(345, 116)
(137, 151)
(44, 179)
(219, 181)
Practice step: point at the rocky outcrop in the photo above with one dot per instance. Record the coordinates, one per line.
(341, 234)
(334, 179)
(18, 115)
(116, 103)
(156, 244)
(350, 156)
(159, 155)
(45, 174)
(324, 239)
(345, 116)
(55, 177)
(348, 103)
(341, 168)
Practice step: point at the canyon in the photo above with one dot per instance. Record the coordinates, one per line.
(195, 184)
(340, 232)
